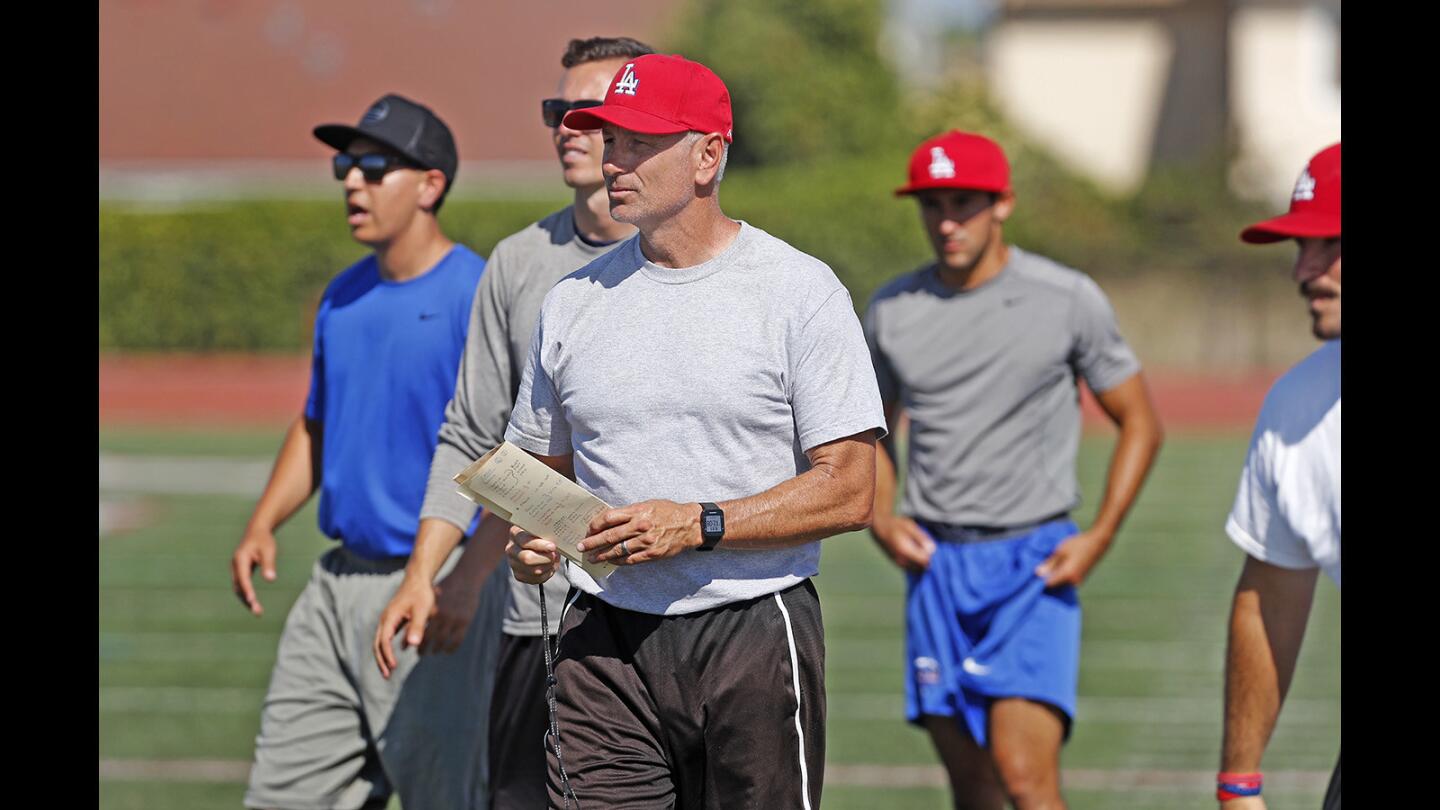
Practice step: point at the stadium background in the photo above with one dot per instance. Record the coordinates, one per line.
(219, 225)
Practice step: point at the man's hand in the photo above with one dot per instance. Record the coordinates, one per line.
(533, 560)
(1072, 560)
(413, 604)
(642, 532)
(257, 548)
(900, 537)
(458, 595)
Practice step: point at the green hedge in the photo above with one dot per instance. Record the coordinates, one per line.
(246, 276)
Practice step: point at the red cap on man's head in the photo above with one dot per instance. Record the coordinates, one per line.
(659, 94)
(1314, 205)
(958, 160)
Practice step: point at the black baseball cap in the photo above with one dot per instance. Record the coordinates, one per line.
(411, 129)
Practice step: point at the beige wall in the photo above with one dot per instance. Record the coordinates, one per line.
(1088, 90)
(1285, 95)
(1112, 85)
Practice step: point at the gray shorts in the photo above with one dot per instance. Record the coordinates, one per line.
(335, 734)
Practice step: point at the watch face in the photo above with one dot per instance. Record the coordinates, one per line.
(713, 524)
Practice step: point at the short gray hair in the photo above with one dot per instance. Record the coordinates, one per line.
(696, 135)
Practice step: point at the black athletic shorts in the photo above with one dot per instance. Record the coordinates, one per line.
(724, 708)
(518, 719)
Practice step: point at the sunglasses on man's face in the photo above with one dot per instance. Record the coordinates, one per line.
(374, 165)
(553, 109)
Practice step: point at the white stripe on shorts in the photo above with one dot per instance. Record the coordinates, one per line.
(795, 677)
(568, 602)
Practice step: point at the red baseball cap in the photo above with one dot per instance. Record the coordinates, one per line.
(1314, 205)
(659, 94)
(958, 160)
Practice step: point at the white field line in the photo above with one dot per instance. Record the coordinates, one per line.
(1167, 712)
(1158, 712)
(1199, 782)
(173, 475)
(175, 770)
(874, 776)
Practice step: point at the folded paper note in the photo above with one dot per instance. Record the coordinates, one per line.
(519, 488)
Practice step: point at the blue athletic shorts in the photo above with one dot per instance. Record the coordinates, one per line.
(980, 625)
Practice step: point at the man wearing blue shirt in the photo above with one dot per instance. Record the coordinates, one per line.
(388, 338)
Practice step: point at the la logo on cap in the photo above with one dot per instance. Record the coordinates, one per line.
(628, 84)
(1305, 186)
(941, 166)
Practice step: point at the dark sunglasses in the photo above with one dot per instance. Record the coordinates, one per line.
(553, 110)
(374, 165)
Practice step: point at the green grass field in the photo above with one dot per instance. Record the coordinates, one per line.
(183, 667)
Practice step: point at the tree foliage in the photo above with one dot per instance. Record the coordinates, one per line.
(806, 79)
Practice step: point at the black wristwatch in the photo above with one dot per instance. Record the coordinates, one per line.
(712, 526)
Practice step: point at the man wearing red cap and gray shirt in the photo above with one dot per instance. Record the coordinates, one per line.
(388, 338)
(1286, 515)
(522, 268)
(983, 348)
(712, 382)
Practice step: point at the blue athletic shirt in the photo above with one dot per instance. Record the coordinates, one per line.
(385, 360)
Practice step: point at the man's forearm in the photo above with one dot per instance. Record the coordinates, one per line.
(1267, 625)
(1134, 453)
(434, 542)
(293, 478)
(886, 477)
(885, 481)
(835, 495)
(484, 551)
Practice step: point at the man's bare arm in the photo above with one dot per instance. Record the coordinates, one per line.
(414, 601)
(902, 540)
(458, 595)
(1129, 406)
(1267, 624)
(835, 495)
(293, 479)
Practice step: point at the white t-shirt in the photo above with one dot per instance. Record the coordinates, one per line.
(704, 383)
(1287, 509)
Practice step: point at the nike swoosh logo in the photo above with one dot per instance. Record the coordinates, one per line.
(424, 316)
(970, 666)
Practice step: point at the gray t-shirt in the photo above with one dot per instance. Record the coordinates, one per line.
(521, 270)
(704, 383)
(988, 378)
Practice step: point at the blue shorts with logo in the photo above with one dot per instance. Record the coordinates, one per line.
(980, 625)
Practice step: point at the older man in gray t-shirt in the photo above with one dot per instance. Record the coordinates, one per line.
(983, 349)
(712, 384)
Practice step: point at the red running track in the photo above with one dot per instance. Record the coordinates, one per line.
(255, 391)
